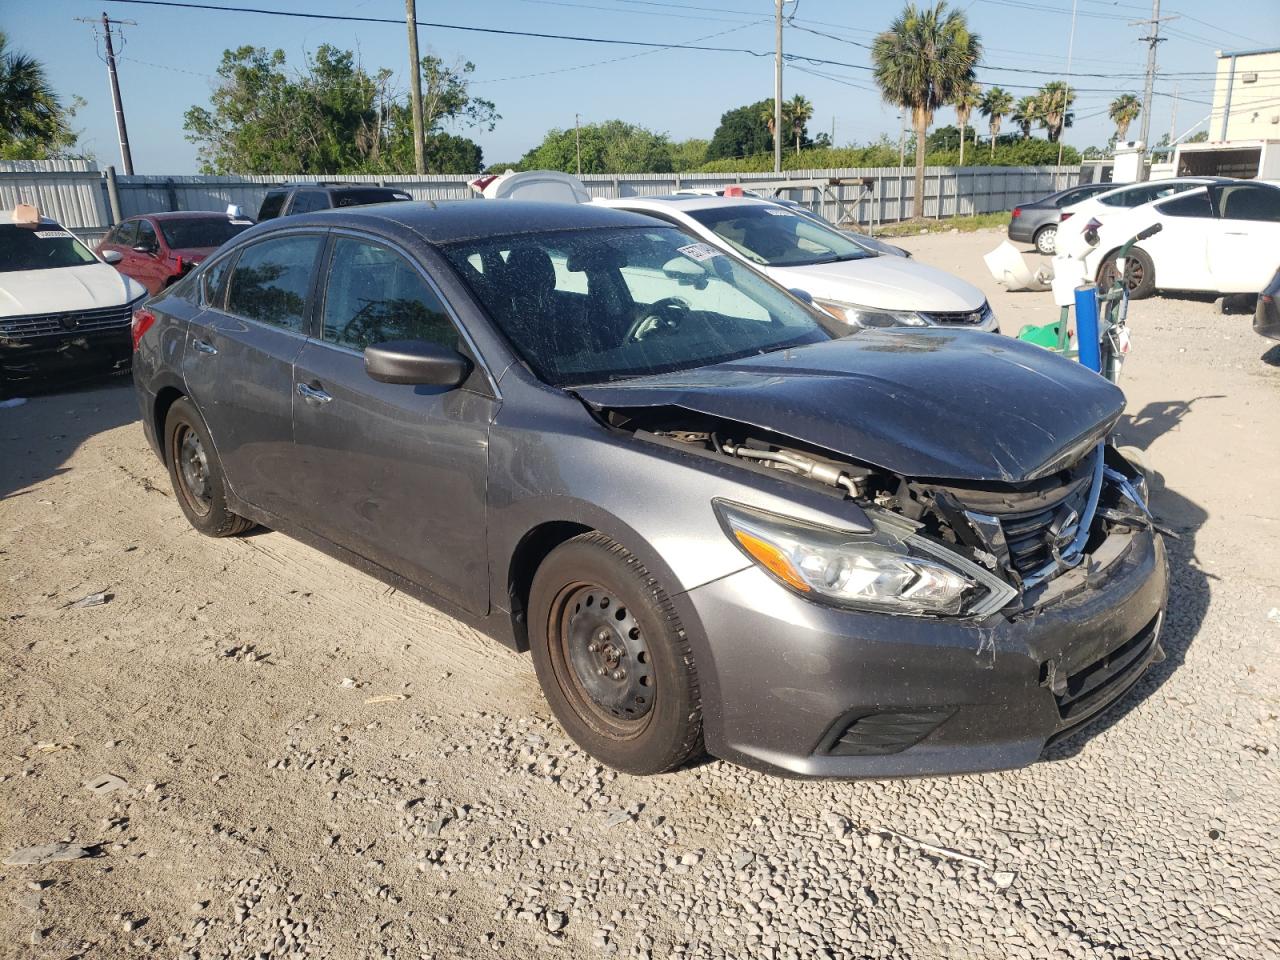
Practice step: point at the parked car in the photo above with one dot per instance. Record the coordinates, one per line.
(158, 248)
(293, 198)
(1221, 238)
(850, 282)
(714, 516)
(1266, 317)
(1129, 196)
(1037, 222)
(63, 312)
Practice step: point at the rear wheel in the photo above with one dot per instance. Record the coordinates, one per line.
(612, 658)
(196, 473)
(1139, 274)
(1046, 239)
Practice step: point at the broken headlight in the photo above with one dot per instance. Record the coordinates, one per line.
(857, 316)
(890, 570)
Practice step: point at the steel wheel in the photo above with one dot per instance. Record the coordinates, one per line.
(193, 471)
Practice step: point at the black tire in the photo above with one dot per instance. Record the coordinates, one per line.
(196, 473)
(588, 591)
(1046, 239)
(1139, 273)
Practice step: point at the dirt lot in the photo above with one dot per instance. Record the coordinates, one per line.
(313, 765)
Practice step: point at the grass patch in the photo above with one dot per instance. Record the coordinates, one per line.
(910, 228)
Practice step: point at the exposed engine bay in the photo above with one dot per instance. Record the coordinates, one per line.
(1027, 534)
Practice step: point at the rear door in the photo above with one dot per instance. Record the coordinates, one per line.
(393, 472)
(1245, 252)
(238, 364)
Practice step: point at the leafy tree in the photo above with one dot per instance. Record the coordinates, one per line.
(741, 133)
(1200, 137)
(614, 146)
(1026, 114)
(922, 62)
(1123, 110)
(689, 154)
(995, 106)
(1054, 107)
(34, 125)
(967, 99)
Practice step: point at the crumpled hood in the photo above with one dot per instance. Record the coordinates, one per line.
(932, 403)
(87, 287)
(892, 283)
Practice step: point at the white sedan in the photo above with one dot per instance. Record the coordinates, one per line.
(849, 282)
(1223, 237)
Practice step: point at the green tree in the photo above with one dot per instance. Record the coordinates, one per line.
(995, 106)
(925, 58)
(614, 146)
(1123, 110)
(796, 114)
(741, 133)
(34, 125)
(1026, 114)
(1055, 99)
(967, 99)
(689, 154)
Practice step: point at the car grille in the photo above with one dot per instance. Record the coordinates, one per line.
(1031, 537)
(961, 318)
(71, 322)
(1095, 685)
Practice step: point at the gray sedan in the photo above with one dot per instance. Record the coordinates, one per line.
(715, 521)
(1037, 222)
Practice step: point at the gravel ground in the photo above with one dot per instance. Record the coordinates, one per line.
(303, 763)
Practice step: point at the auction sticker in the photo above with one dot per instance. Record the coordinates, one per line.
(51, 234)
(775, 212)
(699, 251)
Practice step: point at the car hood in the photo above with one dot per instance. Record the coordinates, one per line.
(892, 283)
(931, 403)
(86, 287)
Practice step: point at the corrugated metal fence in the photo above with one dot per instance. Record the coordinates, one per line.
(74, 192)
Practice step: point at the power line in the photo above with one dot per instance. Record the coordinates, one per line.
(126, 154)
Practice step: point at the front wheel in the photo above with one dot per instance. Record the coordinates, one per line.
(612, 658)
(1139, 274)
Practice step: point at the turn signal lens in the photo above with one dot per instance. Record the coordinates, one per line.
(772, 559)
(142, 322)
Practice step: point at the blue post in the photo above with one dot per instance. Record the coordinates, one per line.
(1087, 327)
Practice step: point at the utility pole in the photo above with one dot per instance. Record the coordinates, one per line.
(902, 138)
(1071, 43)
(415, 86)
(1152, 40)
(577, 141)
(777, 92)
(1173, 115)
(126, 156)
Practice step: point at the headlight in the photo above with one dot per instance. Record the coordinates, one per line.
(857, 316)
(891, 570)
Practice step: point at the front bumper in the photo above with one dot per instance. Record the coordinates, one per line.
(791, 687)
(61, 356)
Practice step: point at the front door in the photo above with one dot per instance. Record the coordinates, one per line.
(238, 364)
(393, 472)
(1242, 254)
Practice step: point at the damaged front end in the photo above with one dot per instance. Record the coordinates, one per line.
(938, 547)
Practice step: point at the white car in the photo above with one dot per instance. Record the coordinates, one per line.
(62, 309)
(1129, 196)
(1223, 237)
(845, 279)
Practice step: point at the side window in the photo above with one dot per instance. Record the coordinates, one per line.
(126, 234)
(213, 282)
(271, 205)
(375, 295)
(271, 280)
(305, 201)
(147, 236)
(1249, 202)
(1188, 205)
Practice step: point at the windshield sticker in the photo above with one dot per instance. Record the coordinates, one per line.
(699, 251)
(51, 234)
(776, 212)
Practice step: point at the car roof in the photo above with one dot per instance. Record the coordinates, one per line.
(690, 203)
(182, 215)
(469, 219)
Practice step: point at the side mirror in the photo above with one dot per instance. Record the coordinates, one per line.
(417, 362)
(686, 272)
(799, 294)
(112, 256)
(144, 248)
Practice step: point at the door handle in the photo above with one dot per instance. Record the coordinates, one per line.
(204, 346)
(308, 392)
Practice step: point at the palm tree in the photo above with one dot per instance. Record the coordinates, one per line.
(797, 112)
(1124, 110)
(766, 114)
(1026, 114)
(29, 109)
(920, 63)
(1055, 100)
(966, 101)
(995, 106)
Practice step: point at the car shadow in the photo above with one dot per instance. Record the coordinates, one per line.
(1179, 519)
(1271, 357)
(39, 436)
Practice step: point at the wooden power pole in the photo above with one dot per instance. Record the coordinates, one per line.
(415, 86)
(126, 155)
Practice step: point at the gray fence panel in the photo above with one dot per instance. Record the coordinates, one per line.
(67, 190)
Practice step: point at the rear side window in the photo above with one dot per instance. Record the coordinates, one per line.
(272, 204)
(271, 280)
(306, 201)
(1190, 205)
(374, 295)
(358, 196)
(213, 282)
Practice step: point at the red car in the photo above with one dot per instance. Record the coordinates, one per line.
(158, 248)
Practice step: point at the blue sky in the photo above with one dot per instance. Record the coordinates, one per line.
(171, 55)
